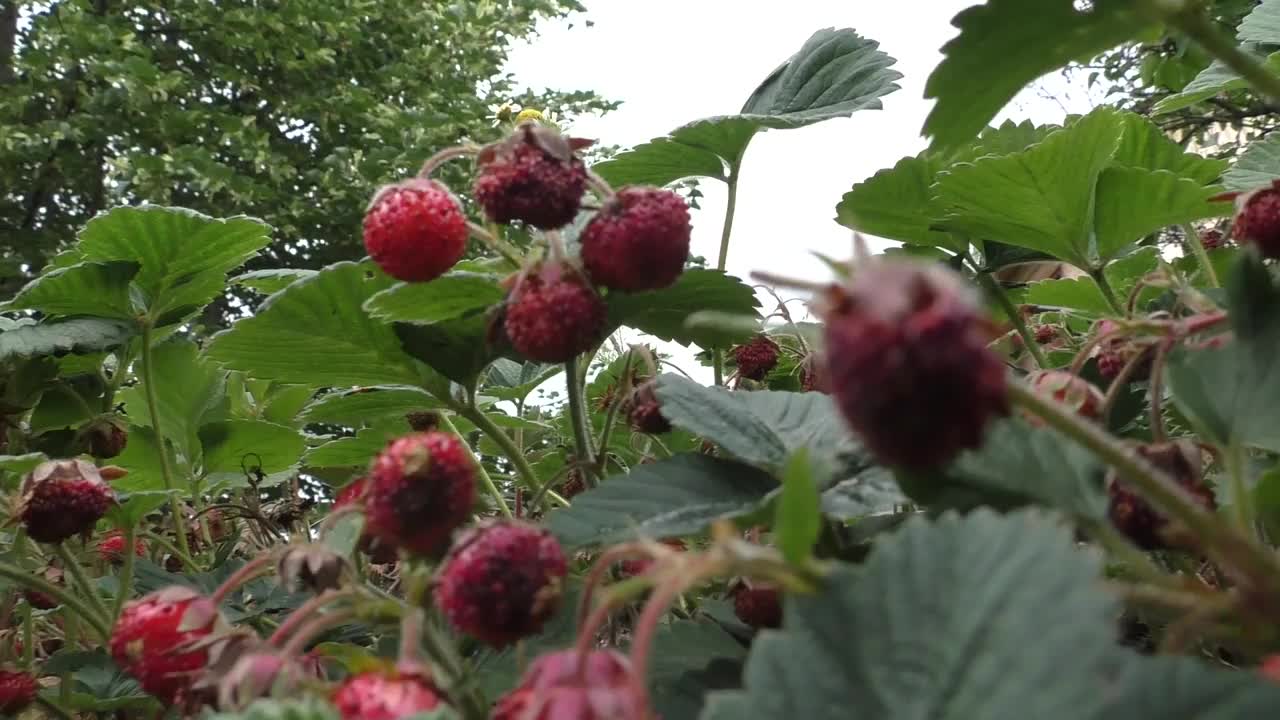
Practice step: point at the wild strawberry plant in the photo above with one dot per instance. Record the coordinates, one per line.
(957, 496)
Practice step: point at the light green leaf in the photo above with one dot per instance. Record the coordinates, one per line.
(234, 445)
(444, 298)
(18, 465)
(1262, 26)
(1257, 167)
(343, 536)
(141, 457)
(284, 402)
(511, 380)
(1213, 80)
(272, 281)
(679, 496)
(77, 335)
(896, 204)
(1132, 203)
(267, 709)
(662, 313)
(315, 332)
(458, 349)
(96, 289)
(367, 406)
(189, 391)
(352, 452)
(1079, 294)
(690, 659)
(1145, 145)
(798, 520)
(1182, 687)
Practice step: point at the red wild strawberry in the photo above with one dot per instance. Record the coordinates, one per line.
(553, 314)
(564, 685)
(645, 411)
(1071, 390)
(908, 363)
(63, 498)
(111, 549)
(1134, 516)
(17, 691)
(380, 553)
(573, 485)
(1270, 668)
(812, 376)
(380, 696)
(533, 176)
(501, 582)
(638, 241)
(759, 606)
(159, 639)
(1212, 239)
(756, 358)
(421, 488)
(1116, 351)
(106, 438)
(1257, 219)
(415, 230)
(1045, 334)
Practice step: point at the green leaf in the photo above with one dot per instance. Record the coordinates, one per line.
(1145, 145)
(511, 380)
(267, 709)
(141, 458)
(678, 496)
(1079, 294)
(1041, 198)
(459, 349)
(184, 256)
(343, 536)
(662, 313)
(133, 507)
(1258, 166)
(352, 452)
(1006, 44)
(896, 203)
(97, 289)
(271, 281)
(234, 445)
(871, 490)
(690, 659)
(189, 391)
(314, 332)
(835, 74)
(1132, 203)
(1181, 687)
(1262, 26)
(798, 521)
(1212, 81)
(19, 465)
(77, 335)
(97, 684)
(368, 406)
(971, 590)
(69, 403)
(284, 402)
(445, 298)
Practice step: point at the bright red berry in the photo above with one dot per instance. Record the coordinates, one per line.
(533, 176)
(908, 363)
(565, 685)
(502, 581)
(111, 549)
(1073, 391)
(421, 488)
(1135, 517)
(1257, 220)
(759, 606)
(1045, 334)
(756, 358)
(380, 553)
(17, 691)
(553, 314)
(638, 241)
(645, 411)
(379, 696)
(415, 230)
(63, 498)
(157, 639)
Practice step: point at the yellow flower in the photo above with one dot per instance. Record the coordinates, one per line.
(529, 114)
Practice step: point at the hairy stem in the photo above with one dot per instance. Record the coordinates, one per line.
(68, 599)
(125, 590)
(1200, 27)
(87, 587)
(726, 232)
(1192, 238)
(486, 481)
(247, 572)
(1243, 513)
(578, 418)
(1100, 277)
(504, 441)
(303, 613)
(996, 291)
(166, 472)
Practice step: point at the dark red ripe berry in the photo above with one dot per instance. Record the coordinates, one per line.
(1212, 239)
(645, 411)
(39, 600)
(1270, 668)
(756, 358)
(63, 498)
(1116, 351)
(17, 691)
(501, 582)
(380, 553)
(111, 549)
(638, 241)
(421, 488)
(1045, 334)
(553, 314)
(566, 686)
(759, 606)
(415, 230)
(908, 363)
(533, 176)
(106, 439)
(377, 696)
(1134, 516)
(1073, 391)
(574, 484)
(157, 640)
(1257, 220)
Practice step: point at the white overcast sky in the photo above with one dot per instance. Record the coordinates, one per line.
(673, 61)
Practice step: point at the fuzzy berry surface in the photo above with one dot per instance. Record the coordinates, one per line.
(553, 314)
(759, 606)
(1075, 392)
(377, 696)
(1257, 221)
(501, 582)
(908, 363)
(62, 499)
(415, 231)
(1133, 516)
(645, 412)
(153, 641)
(638, 241)
(565, 686)
(17, 691)
(756, 358)
(421, 488)
(524, 181)
(111, 548)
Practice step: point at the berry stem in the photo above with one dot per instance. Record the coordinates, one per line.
(600, 185)
(1156, 391)
(1194, 22)
(624, 390)
(87, 588)
(1243, 512)
(126, 570)
(1120, 382)
(1192, 238)
(247, 572)
(578, 417)
(726, 232)
(504, 441)
(55, 710)
(485, 479)
(28, 636)
(1108, 294)
(997, 292)
(445, 156)
(495, 243)
(165, 543)
(304, 612)
(1222, 542)
(166, 472)
(68, 599)
(595, 575)
(313, 628)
